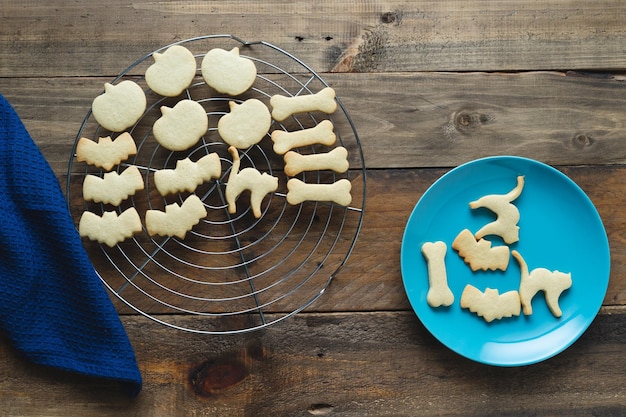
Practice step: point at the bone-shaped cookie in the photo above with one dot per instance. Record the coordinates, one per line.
(176, 220)
(113, 188)
(188, 174)
(335, 160)
(439, 294)
(110, 228)
(321, 134)
(283, 107)
(337, 192)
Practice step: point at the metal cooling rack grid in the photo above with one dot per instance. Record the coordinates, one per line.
(236, 272)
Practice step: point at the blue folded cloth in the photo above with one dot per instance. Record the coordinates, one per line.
(53, 306)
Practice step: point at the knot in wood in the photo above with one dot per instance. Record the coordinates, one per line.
(211, 377)
(394, 17)
(470, 120)
(582, 141)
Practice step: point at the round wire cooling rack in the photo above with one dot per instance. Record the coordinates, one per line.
(233, 272)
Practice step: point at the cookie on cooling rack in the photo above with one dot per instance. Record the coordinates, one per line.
(322, 134)
(172, 71)
(246, 124)
(335, 160)
(227, 71)
(106, 153)
(110, 228)
(188, 174)
(176, 220)
(113, 188)
(120, 106)
(283, 107)
(180, 127)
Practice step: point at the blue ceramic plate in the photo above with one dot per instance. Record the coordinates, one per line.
(560, 229)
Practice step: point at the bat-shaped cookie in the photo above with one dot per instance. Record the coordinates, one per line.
(111, 228)
(188, 174)
(176, 220)
(479, 254)
(113, 188)
(491, 305)
(106, 153)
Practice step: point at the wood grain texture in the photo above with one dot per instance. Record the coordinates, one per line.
(429, 119)
(91, 38)
(429, 85)
(378, 364)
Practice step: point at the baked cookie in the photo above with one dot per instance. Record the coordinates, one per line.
(246, 124)
(249, 179)
(283, 106)
(322, 134)
(106, 153)
(172, 71)
(227, 71)
(176, 220)
(110, 228)
(335, 160)
(120, 106)
(113, 188)
(338, 192)
(490, 305)
(180, 127)
(188, 174)
(439, 294)
(480, 254)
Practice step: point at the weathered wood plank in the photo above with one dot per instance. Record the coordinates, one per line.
(383, 364)
(407, 120)
(57, 38)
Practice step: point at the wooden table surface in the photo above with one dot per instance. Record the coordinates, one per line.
(429, 85)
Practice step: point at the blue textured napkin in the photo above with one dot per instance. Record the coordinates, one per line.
(53, 306)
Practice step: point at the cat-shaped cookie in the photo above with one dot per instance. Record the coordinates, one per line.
(507, 214)
(552, 283)
(248, 179)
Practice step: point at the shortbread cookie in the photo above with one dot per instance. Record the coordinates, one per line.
(337, 192)
(120, 106)
(227, 71)
(507, 214)
(246, 124)
(180, 127)
(176, 220)
(110, 228)
(439, 294)
(335, 160)
(322, 134)
(172, 71)
(490, 305)
(552, 283)
(113, 188)
(480, 255)
(249, 179)
(188, 174)
(283, 107)
(106, 153)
